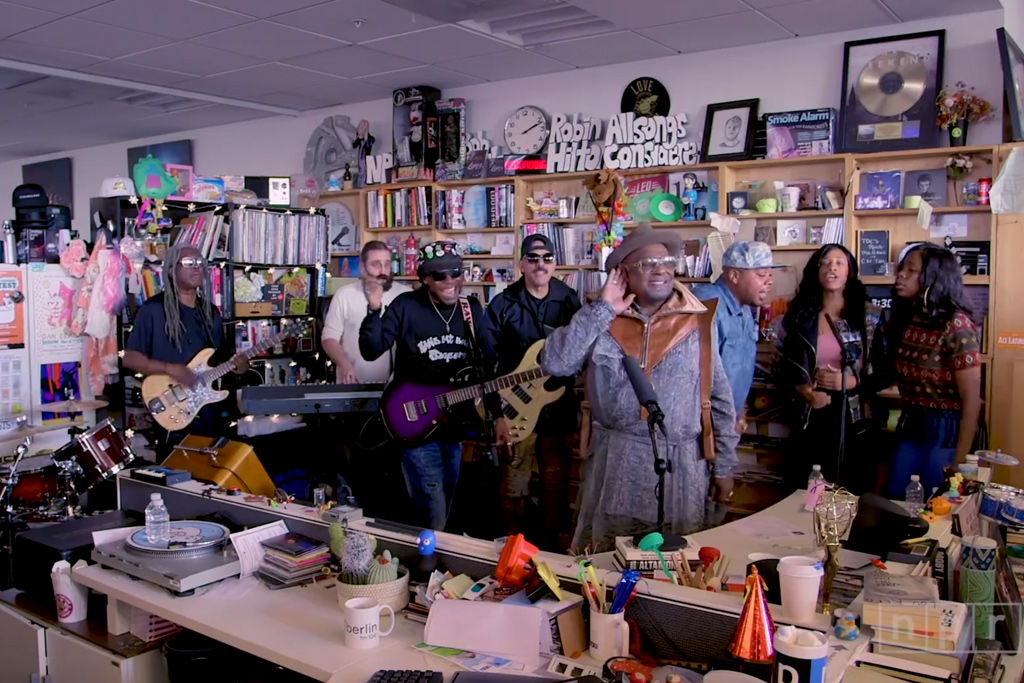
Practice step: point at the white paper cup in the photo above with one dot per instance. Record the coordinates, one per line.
(799, 583)
(790, 199)
(609, 636)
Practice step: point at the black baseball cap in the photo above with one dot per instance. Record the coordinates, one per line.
(532, 242)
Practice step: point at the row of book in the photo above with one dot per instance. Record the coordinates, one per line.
(833, 231)
(574, 244)
(403, 207)
(583, 281)
(286, 239)
(476, 207)
(207, 232)
(292, 559)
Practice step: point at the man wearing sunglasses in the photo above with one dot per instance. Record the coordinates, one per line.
(526, 311)
(644, 313)
(434, 345)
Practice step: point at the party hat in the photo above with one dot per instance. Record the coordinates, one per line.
(752, 639)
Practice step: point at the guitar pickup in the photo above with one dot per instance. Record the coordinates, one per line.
(410, 411)
(156, 406)
(523, 395)
(179, 392)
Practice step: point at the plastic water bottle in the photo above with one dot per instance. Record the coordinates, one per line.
(816, 476)
(915, 494)
(158, 521)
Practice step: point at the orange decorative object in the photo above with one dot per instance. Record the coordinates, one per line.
(707, 556)
(752, 639)
(514, 567)
(941, 506)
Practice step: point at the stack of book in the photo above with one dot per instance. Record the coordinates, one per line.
(207, 232)
(833, 231)
(292, 559)
(476, 207)
(584, 282)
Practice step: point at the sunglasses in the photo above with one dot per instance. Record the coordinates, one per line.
(442, 275)
(192, 262)
(650, 264)
(537, 258)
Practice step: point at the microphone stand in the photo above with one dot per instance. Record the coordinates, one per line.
(847, 361)
(655, 421)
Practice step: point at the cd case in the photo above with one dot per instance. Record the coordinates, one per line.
(887, 183)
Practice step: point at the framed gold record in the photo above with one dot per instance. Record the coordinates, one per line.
(889, 90)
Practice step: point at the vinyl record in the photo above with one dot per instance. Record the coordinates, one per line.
(639, 207)
(666, 207)
(646, 97)
(891, 83)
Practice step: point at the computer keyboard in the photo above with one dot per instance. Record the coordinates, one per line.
(407, 676)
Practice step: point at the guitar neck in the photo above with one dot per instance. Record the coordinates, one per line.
(491, 386)
(224, 368)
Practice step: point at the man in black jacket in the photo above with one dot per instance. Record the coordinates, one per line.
(516, 318)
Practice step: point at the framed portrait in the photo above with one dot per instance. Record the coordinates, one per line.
(55, 177)
(183, 176)
(1013, 86)
(729, 130)
(889, 90)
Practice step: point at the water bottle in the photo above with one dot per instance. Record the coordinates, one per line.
(915, 494)
(816, 476)
(158, 521)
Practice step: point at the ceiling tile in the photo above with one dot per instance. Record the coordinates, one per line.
(912, 10)
(717, 32)
(12, 77)
(190, 58)
(15, 105)
(336, 19)
(761, 4)
(204, 117)
(15, 18)
(258, 80)
(643, 13)
(71, 90)
(422, 75)
(352, 61)
(45, 56)
(178, 20)
(139, 74)
(816, 17)
(62, 7)
(263, 8)
(440, 44)
(611, 48)
(79, 35)
(268, 41)
(505, 65)
(294, 100)
(346, 92)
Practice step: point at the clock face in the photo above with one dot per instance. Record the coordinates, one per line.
(526, 131)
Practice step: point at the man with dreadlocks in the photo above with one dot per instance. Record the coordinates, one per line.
(176, 324)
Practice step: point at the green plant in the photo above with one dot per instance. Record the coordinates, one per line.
(384, 569)
(356, 557)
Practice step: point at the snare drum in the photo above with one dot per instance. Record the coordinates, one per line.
(993, 498)
(100, 453)
(1013, 509)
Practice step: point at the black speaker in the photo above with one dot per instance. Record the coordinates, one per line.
(880, 526)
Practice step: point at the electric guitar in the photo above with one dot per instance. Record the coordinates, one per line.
(174, 405)
(412, 412)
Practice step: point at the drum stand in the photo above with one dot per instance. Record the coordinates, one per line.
(9, 481)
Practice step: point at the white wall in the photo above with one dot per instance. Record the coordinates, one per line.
(792, 74)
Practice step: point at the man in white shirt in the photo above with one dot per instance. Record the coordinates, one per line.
(346, 312)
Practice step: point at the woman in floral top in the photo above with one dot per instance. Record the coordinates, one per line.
(937, 368)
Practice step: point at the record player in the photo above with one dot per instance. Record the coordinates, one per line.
(199, 553)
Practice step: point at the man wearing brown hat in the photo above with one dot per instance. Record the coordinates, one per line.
(644, 313)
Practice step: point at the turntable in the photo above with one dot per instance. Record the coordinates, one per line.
(199, 553)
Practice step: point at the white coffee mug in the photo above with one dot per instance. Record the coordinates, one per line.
(362, 622)
(609, 636)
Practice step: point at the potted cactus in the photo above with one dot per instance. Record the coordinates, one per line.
(366, 575)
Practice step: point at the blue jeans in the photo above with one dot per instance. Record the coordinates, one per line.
(927, 445)
(431, 473)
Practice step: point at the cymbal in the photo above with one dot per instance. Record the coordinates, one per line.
(31, 430)
(73, 406)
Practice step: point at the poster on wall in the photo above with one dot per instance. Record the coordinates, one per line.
(12, 309)
(14, 393)
(59, 382)
(51, 294)
(55, 177)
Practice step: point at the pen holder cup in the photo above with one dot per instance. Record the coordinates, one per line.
(394, 594)
(609, 636)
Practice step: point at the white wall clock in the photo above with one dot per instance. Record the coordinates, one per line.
(526, 130)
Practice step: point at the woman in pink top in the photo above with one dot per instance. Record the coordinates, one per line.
(810, 371)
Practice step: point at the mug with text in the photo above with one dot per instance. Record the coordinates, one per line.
(609, 636)
(362, 622)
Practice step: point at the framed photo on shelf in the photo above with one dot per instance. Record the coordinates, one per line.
(183, 176)
(729, 130)
(929, 185)
(1013, 86)
(889, 90)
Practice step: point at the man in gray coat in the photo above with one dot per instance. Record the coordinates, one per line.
(644, 313)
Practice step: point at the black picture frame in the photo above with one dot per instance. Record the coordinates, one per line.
(1012, 58)
(714, 146)
(55, 177)
(859, 128)
(175, 152)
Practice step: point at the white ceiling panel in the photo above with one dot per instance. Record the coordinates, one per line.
(761, 4)
(12, 77)
(69, 90)
(337, 20)
(440, 44)
(635, 14)
(346, 92)
(89, 37)
(912, 10)
(24, 150)
(268, 41)
(294, 100)
(204, 117)
(61, 7)
(116, 68)
(190, 58)
(613, 48)
(828, 16)
(177, 20)
(45, 56)
(263, 8)
(15, 18)
(717, 32)
(506, 65)
(352, 61)
(258, 80)
(422, 75)
(15, 105)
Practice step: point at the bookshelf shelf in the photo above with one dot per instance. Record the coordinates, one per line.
(671, 224)
(463, 231)
(572, 221)
(976, 280)
(875, 213)
(680, 278)
(799, 215)
(797, 247)
(408, 228)
(407, 278)
(496, 257)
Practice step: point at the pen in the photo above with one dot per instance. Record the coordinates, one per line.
(625, 588)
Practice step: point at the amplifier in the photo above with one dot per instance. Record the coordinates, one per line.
(311, 399)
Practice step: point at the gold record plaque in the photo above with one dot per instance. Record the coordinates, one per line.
(891, 84)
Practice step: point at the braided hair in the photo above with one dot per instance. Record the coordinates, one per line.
(173, 326)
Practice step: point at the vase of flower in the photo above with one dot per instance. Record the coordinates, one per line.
(958, 133)
(957, 107)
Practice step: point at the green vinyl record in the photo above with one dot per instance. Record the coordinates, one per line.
(639, 207)
(666, 207)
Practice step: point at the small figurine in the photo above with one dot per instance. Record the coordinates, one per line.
(347, 178)
(846, 628)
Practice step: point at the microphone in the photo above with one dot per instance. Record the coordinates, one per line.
(644, 391)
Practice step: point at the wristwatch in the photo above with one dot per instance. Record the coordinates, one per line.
(371, 311)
